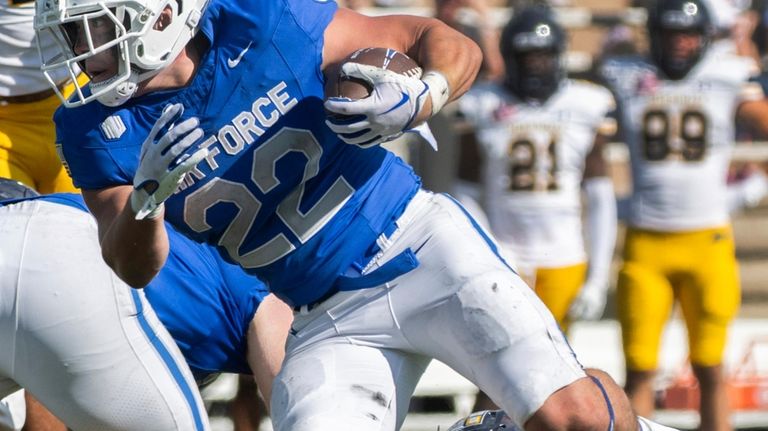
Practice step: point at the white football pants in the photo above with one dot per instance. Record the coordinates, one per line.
(353, 361)
(77, 338)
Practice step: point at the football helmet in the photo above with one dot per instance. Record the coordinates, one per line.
(12, 189)
(683, 16)
(532, 44)
(486, 420)
(140, 48)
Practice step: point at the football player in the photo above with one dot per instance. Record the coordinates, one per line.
(27, 103)
(541, 145)
(677, 113)
(73, 339)
(382, 275)
(67, 322)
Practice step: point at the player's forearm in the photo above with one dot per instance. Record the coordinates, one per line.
(445, 50)
(135, 249)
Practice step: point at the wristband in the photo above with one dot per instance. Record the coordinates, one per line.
(137, 205)
(439, 92)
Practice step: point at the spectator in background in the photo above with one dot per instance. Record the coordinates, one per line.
(732, 26)
(758, 41)
(748, 183)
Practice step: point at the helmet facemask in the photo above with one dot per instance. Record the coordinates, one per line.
(532, 44)
(140, 46)
(539, 73)
(676, 65)
(674, 20)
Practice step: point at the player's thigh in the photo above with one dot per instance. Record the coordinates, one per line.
(101, 368)
(644, 299)
(465, 307)
(557, 287)
(87, 345)
(498, 334)
(344, 387)
(711, 298)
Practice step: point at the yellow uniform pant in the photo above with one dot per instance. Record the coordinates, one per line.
(558, 287)
(27, 145)
(697, 269)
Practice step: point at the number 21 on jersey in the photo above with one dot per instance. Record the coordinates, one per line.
(533, 162)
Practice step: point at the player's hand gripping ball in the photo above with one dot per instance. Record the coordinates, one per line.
(375, 97)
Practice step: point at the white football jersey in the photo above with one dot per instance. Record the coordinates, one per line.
(680, 136)
(19, 59)
(534, 163)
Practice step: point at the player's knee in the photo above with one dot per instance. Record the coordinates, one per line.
(583, 405)
(624, 417)
(709, 377)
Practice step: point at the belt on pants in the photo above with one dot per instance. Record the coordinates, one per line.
(401, 264)
(356, 277)
(28, 98)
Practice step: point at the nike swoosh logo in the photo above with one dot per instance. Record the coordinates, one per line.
(403, 100)
(233, 62)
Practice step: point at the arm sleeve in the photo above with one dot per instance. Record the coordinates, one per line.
(601, 224)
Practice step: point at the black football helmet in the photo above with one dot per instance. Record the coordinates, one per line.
(12, 189)
(532, 44)
(665, 16)
(486, 420)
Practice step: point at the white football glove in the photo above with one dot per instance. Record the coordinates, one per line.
(390, 109)
(590, 302)
(748, 192)
(163, 162)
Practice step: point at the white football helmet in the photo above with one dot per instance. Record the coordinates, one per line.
(141, 50)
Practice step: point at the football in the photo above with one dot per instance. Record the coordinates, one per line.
(390, 59)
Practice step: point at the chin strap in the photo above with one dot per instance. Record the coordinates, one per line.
(120, 93)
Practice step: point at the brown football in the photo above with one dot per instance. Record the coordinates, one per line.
(385, 58)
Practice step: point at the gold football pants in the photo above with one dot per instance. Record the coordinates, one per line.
(697, 269)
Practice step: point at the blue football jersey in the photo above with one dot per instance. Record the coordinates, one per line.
(279, 193)
(205, 303)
